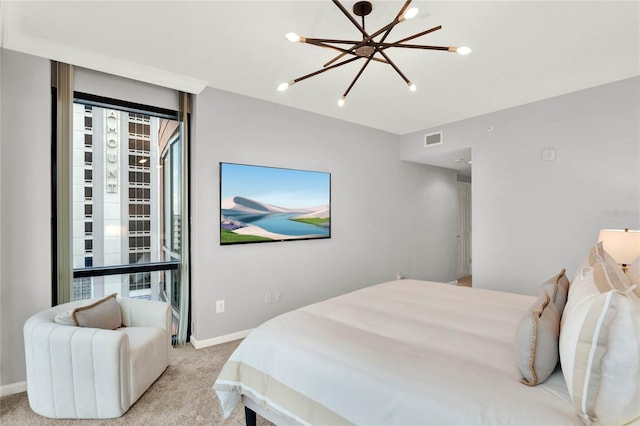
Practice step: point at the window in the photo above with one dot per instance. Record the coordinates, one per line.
(121, 205)
(139, 226)
(115, 242)
(141, 161)
(139, 209)
(140, 194)
(139, 145)
(140, 177)
(82, 289)
(137, 126)
(143, 243)
(114, 191)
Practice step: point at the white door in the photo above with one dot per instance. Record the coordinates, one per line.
(464, 229)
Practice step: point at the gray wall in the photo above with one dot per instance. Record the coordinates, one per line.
(25, 280)
(532, 217)
(388, 216)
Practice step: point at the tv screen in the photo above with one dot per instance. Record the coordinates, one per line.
(265, 204)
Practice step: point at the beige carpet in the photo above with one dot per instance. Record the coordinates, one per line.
(181, 396)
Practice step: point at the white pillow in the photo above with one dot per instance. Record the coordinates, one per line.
(633, 273)
(600, 351)
(65, 318)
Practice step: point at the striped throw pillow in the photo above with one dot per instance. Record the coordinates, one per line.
(600, 350)
(607, 273)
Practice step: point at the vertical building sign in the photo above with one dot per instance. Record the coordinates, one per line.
(112, 152)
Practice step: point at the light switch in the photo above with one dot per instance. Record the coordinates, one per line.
(548, 154)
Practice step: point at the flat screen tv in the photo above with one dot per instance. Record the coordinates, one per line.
(266, 204)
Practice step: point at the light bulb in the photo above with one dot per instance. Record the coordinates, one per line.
(283, 87)
(292, 37)
(410, 13)
(463, 50)
(412, 86)
(341, 101)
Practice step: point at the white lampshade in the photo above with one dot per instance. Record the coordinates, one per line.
(623, 245)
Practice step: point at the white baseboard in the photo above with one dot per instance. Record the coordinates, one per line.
(13, 388)
(199, 344)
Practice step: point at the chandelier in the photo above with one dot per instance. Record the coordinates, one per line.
(369, 48)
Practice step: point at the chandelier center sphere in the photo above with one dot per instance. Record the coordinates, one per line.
(365, 50)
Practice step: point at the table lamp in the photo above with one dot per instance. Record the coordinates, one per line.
(623, 245)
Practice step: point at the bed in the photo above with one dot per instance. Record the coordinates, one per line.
(402, 352)
(412, 352)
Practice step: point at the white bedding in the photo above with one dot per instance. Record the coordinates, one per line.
(404, 352)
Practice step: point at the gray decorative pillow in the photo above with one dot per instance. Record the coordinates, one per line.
(557, 288)
(104, 313)
(536, 341)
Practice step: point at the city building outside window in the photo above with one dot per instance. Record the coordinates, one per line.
(126, 199)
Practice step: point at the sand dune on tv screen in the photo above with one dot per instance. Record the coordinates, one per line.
(257, 231)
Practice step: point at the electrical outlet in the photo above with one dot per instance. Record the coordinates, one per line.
(219, 306)
(267, 297)
(278, 296)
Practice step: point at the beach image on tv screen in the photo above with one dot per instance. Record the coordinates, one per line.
(261, 204)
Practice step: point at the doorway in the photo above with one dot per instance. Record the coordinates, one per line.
(464, 233)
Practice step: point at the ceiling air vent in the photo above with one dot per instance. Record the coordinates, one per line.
(433, 139)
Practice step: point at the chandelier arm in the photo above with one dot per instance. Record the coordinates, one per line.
(320, 71)
(430, 30)
(357, 76)
(395, 67)
(403, 9)
(331, 40)
(366, 40)
(411, 46)
(376, 46)
(351, 18)
(345, 51)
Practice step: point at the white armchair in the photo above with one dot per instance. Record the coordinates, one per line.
(82, 372)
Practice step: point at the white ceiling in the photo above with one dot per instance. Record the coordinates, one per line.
(523, 51)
